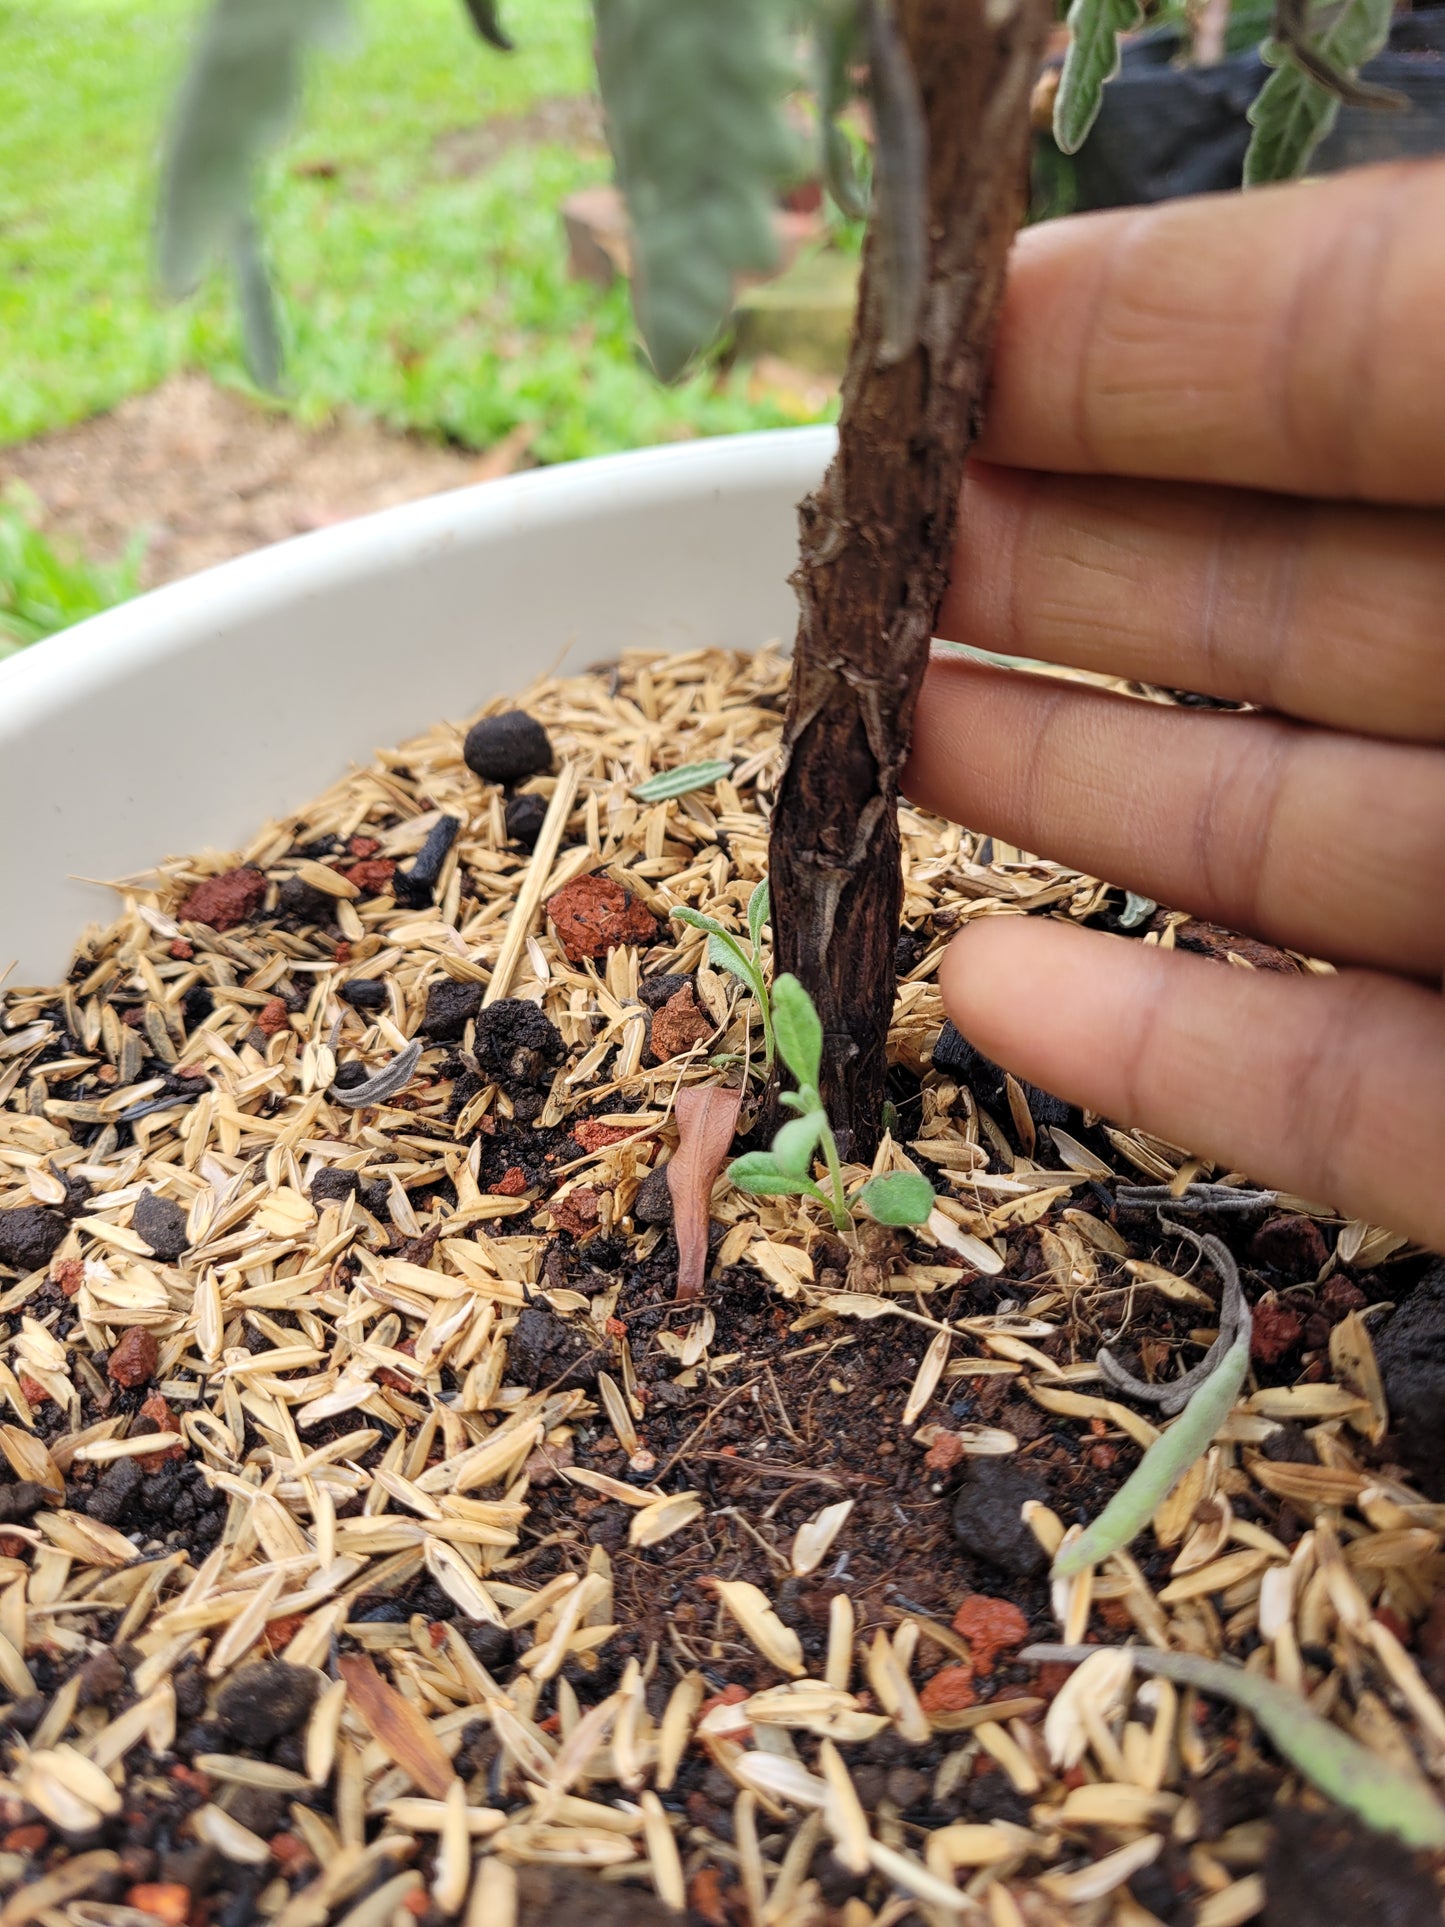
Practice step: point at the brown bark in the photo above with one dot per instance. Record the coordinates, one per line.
(877, 542)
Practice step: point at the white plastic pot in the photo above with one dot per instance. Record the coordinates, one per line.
(186, 718)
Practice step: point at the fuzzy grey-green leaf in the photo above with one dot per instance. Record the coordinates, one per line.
(1136, 910)
(760, 1173)
(1292, 113)
(260, 319)
(760, 906)
(681, 782)
(726, 953)
(237, 100)
(898, 1197)
(698, 920)
(1162, 1466)
(1382, 1794)
(1092, 61)
(694, 96)
(799, 1031)
(796, 1141)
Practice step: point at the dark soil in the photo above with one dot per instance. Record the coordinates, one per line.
(162, 1224)
(260, 1703)
(29, 1236)
(1324, 1867)
(1410, 1351)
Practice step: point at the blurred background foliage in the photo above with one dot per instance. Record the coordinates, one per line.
(413, 225)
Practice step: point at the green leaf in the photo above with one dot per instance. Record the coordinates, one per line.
(760, 905)
(799, 1031)
(1092, 60)
(1387, 1797)
(724, 952)
(681, 782)
(260, 321)
(1293, 113)
(1162, 1466)
(759, 1173)
(839, 37)
(795, 1143)
(237, 100)
(487, 21)
(694, 94)
(898, 1197)
(700, 922)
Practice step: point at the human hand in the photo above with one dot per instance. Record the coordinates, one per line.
(1216, 461)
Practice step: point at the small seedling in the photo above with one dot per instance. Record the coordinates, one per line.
(898, 1197)
(724, 952)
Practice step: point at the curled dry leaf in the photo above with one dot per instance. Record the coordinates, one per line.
(929, 1374)
(963, 1244)
(70, 1790)
(457, 1580)
(396, 1725)
(1352, 1358)
(707, 1117)
(810, 1706)
(654, 1523)
(29, 1459)
(813, 1540)
(753, 1611)
(1100, 1684)
(230, 1839)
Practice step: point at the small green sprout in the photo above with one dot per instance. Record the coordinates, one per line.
(724, 952)
(899, 1197)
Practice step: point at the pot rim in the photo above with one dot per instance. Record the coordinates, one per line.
(40, 681)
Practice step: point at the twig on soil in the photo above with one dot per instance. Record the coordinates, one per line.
(1212, 1199)
(698, 1430)
(1233, 1317)
(732, 1512)
(782, 1409)
(529, 897)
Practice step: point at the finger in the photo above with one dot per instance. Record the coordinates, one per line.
(1285, 339)
(1329, 1087)
(1324, 842)
(1326, 612)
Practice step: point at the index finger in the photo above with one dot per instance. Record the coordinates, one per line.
(1285, 339)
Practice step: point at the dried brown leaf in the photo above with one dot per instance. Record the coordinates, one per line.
(707, 1117)
(396, 1726)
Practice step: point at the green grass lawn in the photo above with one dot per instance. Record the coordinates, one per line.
(434, 301)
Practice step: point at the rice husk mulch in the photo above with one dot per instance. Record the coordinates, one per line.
(569, 1600)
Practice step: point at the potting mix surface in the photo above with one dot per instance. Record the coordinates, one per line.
(383, 1540)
